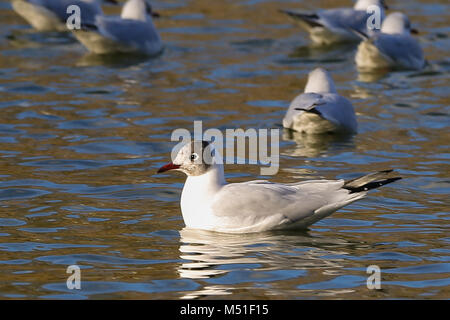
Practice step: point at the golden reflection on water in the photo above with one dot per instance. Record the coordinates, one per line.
(81, 137)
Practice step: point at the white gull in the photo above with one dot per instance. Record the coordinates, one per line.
(209, 203)
(394, 46)
(333, 25)
(320, 109)
(132, 32)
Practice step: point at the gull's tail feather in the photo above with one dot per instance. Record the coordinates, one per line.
(311, 110)
(310, 19)
(370, 181)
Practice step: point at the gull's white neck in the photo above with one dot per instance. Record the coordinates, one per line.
(134, 9)
(207, 183)
(319, 80)
(364, 4)
(395, 24)
(198, 193)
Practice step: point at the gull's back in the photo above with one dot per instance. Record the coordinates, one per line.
(88, 10)
(261, 205)
(402, 49)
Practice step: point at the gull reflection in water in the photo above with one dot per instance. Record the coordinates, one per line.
(256, 257)
(314, 53)
(112, 60)
(314, 145)
(376, 75)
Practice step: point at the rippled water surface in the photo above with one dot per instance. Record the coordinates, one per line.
(82, 136)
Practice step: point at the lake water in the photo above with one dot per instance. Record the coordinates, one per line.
(81, 138)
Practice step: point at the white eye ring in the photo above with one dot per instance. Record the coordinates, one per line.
(194, 157)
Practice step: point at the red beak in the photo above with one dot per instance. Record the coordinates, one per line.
(167, 167)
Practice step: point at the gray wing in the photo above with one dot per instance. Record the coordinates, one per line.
(258, 201)
(329, 106)
(340, 20)
(304, 101)
(128, 32)
(88, 11)
(404, 50)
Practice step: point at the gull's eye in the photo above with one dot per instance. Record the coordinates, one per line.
(194, 157)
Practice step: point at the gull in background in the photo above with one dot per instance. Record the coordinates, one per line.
(320, 109)
(132, 32)
(333, 25)
(394, 46)
(209, 203)
(51, 15)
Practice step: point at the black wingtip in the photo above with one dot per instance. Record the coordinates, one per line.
(310, 18)
(386, 171)
(113, 2)
(312, 110)
(88, 27)
(360, 34)
(371, 185)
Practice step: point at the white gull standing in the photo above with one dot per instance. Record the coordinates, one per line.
(333, 25)
(51, 15)
(320, 109)
(394, 46)
(209, 203)
(132, 32)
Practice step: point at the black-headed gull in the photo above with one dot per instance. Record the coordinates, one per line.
(333, 25)
(132, 32)
(51, 15)
(209, 203)
(320, 109)
(394, 46)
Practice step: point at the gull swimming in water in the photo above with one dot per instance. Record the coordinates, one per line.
(51, 15)
(320, 109)
(333, 25)
(394, 46)
(132, 32)
(209, 203)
